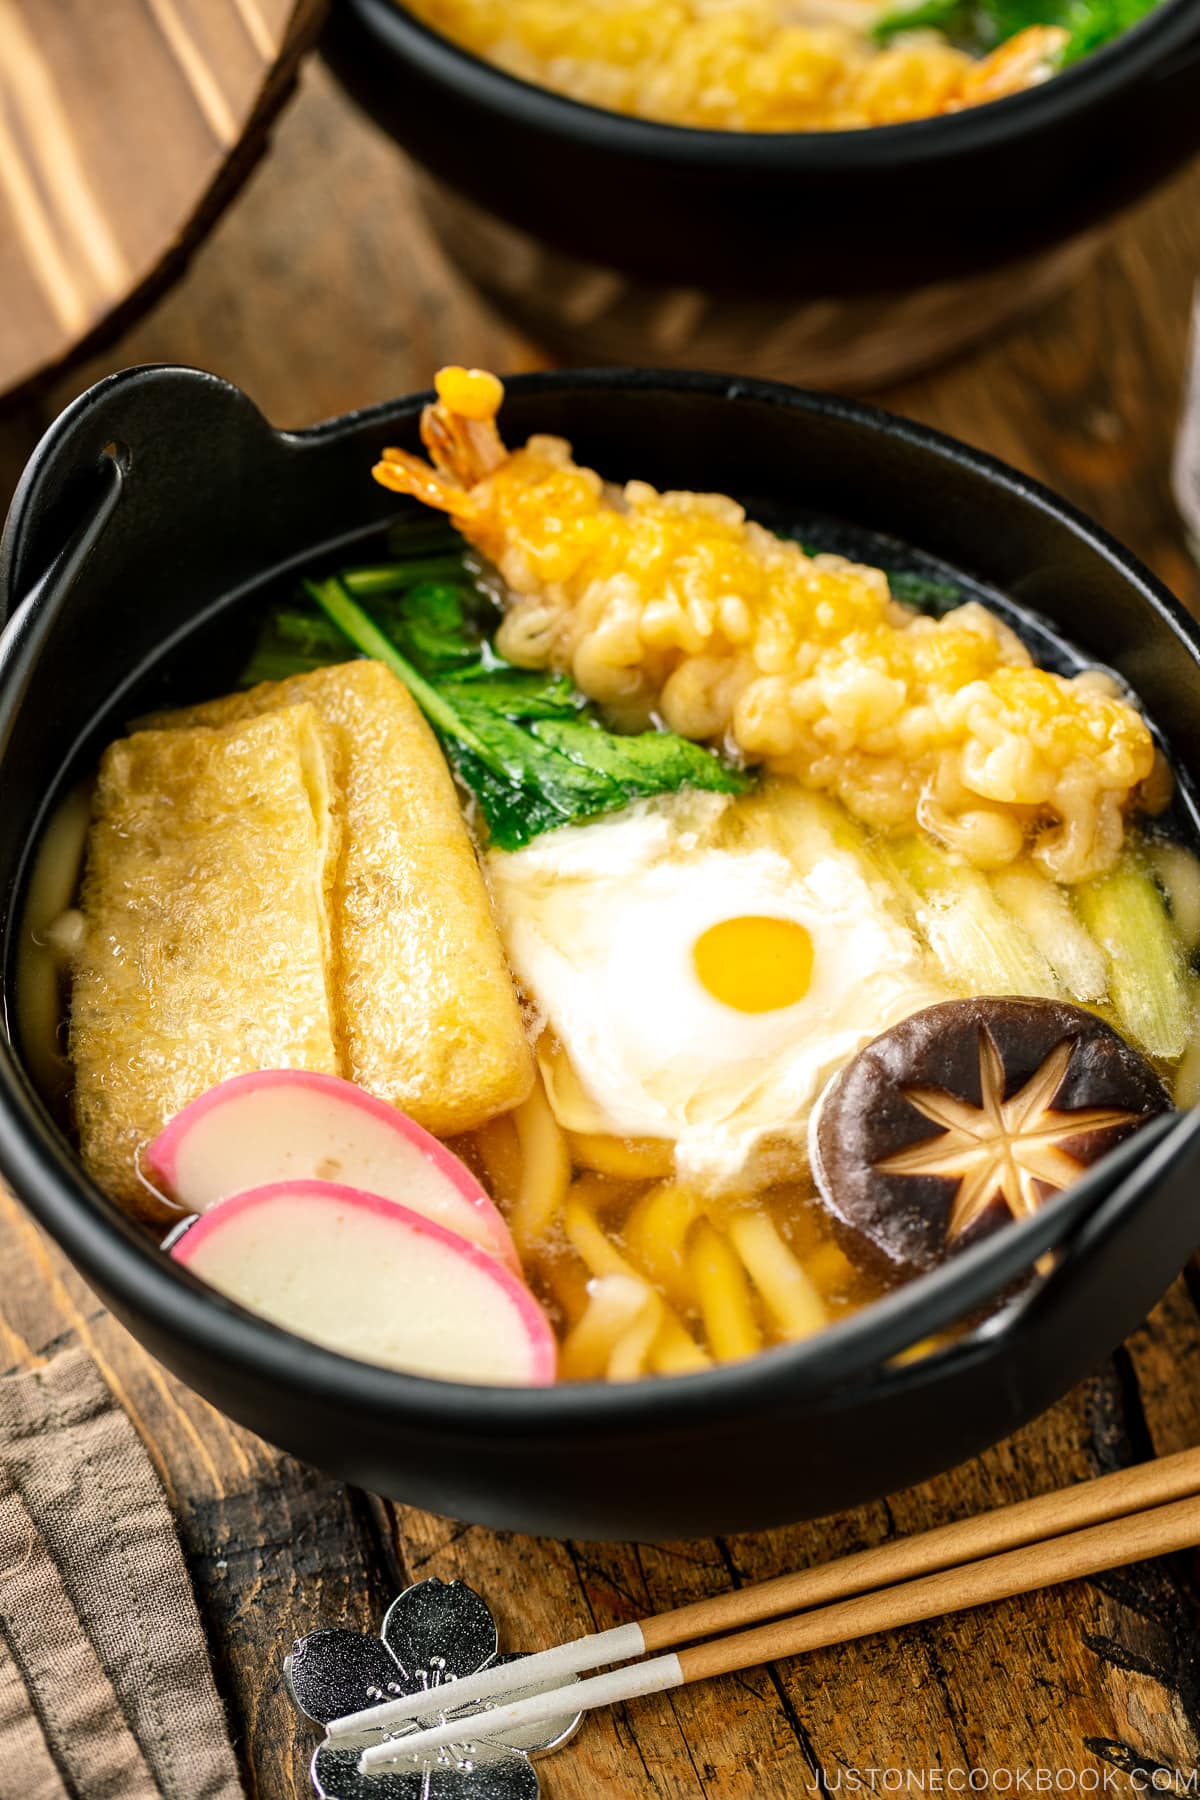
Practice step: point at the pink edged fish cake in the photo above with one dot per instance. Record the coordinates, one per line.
(374, 1280)
(296, 1125)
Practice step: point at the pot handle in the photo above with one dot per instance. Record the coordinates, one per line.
(118, 446)
(977, 1279)
(101, 489)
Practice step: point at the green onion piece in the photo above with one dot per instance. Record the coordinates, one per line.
(979, 944)
(1045, 910)
(1126, 914)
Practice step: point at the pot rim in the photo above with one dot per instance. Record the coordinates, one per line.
(46, 1175)
(1115, 66)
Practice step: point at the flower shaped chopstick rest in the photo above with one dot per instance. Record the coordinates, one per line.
(432, 1633)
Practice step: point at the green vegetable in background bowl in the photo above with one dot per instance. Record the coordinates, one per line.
(978, 26)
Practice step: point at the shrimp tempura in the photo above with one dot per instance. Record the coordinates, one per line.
(675, 606)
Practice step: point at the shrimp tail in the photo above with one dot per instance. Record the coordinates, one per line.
(405, 473)
(1024, 61)
(459, 432)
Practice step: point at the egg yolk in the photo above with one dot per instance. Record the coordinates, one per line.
(755, 964)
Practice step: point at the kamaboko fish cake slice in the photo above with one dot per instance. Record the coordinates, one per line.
(206, 950)
(428, 1011)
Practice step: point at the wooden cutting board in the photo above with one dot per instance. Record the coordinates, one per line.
(124, 128)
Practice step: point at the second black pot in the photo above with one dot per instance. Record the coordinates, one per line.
(788, 214)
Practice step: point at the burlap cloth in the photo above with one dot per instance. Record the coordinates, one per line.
(106, 1692)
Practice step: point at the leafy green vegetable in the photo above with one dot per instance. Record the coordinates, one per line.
(399, 577)
(955, 18)
(294, 641)
(427, 603)
(428, 623)
(520, 693)
(524, 742)
(979, 25)
(923, 592)
(1096, 22)
(369, 640)
(433, 628)
(577, 770)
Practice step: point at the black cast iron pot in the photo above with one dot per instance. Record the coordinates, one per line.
(791, 213)
(154, 517)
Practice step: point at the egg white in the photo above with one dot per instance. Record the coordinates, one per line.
(600, 922)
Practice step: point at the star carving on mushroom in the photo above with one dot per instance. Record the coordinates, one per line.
(965, 1116)
(1011, 1149)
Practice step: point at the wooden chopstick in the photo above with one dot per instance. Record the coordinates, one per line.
(1129, 1538)
(985, 1534)
(903, 1559)
(1132, 1538)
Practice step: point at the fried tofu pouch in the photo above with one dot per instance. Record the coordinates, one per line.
(206, 948)
(428, 1012)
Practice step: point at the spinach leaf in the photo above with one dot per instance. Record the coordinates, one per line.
(520, 693)
(434, 629)
(922, 591)
(980, 25)
(648, 762)
(955, 18)
(1096, 22)
(428, 606)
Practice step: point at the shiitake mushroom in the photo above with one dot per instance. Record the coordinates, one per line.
(966, 1115)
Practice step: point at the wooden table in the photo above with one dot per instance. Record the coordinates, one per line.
(320, 291)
